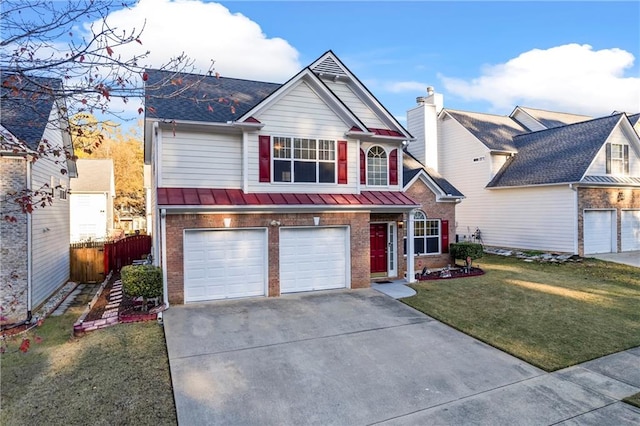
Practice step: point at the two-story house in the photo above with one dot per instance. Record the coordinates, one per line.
(34, 245)
(536, 179)
(260, 189)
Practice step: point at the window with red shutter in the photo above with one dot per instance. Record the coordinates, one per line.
(342, 162)
(393, 167)
(363, 167)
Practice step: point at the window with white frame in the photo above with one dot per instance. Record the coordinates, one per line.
(304, 160)
(617, 159)
(377, 166)
(426, 234)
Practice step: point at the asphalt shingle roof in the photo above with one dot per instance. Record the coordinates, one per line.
(25, 112)
(208, 99)
(495, 131)
(411, 167)
(94, 175)
(557, 155)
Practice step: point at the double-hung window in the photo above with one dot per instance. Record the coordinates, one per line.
(426, 234)
(617, 159)
(304, 160)
(377, 166)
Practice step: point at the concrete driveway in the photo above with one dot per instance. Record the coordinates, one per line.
(359, 357)
(631, 258)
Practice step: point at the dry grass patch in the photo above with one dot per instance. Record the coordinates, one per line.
(550, 315)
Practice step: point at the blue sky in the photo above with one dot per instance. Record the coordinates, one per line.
(579, 57)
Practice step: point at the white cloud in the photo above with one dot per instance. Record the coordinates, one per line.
(205, 32)
(405, 86)
(570, 78)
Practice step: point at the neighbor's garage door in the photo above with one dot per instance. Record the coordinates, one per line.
(220, 264)
(313, 259)
(630, 230)
(598, 235)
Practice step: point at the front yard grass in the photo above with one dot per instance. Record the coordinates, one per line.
(550, 315)
(114, 376)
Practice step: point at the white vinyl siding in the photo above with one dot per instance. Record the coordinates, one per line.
(201, 160)
(630, 230)
(313, 258)
(355, 104)
(88, 216)
(222, 264)
(301, 113)
(599, 165)
(49, 230)
(416, 122)
(527, 121)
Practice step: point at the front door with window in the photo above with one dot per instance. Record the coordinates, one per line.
(378, 238)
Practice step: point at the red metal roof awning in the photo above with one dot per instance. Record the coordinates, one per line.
(236, 197)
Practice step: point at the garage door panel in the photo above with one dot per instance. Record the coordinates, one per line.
(313, 259)
(630, 230)
(598, 235)
(220, 264)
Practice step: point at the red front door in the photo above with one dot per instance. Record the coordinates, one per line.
(378, 237)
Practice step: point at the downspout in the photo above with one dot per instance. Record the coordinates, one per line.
(575, 215)
(163, 239)
(29, 252)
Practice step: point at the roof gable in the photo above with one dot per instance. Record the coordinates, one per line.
(549, 119)
(25, 112)
(557, 155)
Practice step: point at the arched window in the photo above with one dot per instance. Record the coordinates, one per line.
(377, 166)
(426, 234)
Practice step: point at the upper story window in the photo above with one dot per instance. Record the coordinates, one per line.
(617, 162)
(377, 167)
(304, 160)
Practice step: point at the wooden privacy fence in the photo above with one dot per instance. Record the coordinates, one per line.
(123, 252)
(87, 262)
(92, 261)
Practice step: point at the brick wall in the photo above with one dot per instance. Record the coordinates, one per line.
(176, 224)
(13, 243)
(605, 198)
(421, 193)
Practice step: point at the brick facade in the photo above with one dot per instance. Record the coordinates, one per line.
(616, 199)
(13, 243)
(176, 224)
(421, 193)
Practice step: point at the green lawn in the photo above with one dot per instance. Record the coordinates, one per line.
(114, 376)
(549, 315)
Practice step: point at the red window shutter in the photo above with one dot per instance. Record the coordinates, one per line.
(363, 167)
(264, 157)
(393, 167)
(342, 162)
(444, 235)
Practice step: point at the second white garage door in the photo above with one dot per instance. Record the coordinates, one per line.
(221, 264)
(313, 259)
(598, 232)
(630, 231)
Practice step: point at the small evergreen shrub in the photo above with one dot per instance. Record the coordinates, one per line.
(142, 281)
(466, 249)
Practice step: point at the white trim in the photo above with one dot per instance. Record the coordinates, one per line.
(163, 240)
(29, 246)
(392, 253)
(245, 162)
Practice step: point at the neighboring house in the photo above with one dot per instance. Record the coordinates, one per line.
(91, 200)
(261, 189)
(34, 248)
(536, 179)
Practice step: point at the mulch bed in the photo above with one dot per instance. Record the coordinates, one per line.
(457, 272)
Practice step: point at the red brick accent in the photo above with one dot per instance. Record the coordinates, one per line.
(421, 193)
(605, 198)
(176, 224)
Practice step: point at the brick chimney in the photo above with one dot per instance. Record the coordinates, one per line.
(422, 123)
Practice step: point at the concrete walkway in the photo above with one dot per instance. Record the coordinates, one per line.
(359, 357)
(631, 258)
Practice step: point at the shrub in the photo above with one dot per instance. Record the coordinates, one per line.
(142, 281)
(466, 249)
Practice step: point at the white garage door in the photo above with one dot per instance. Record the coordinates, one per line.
(221, 264)
(598, 235)
(630, 230)
(313, 259)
